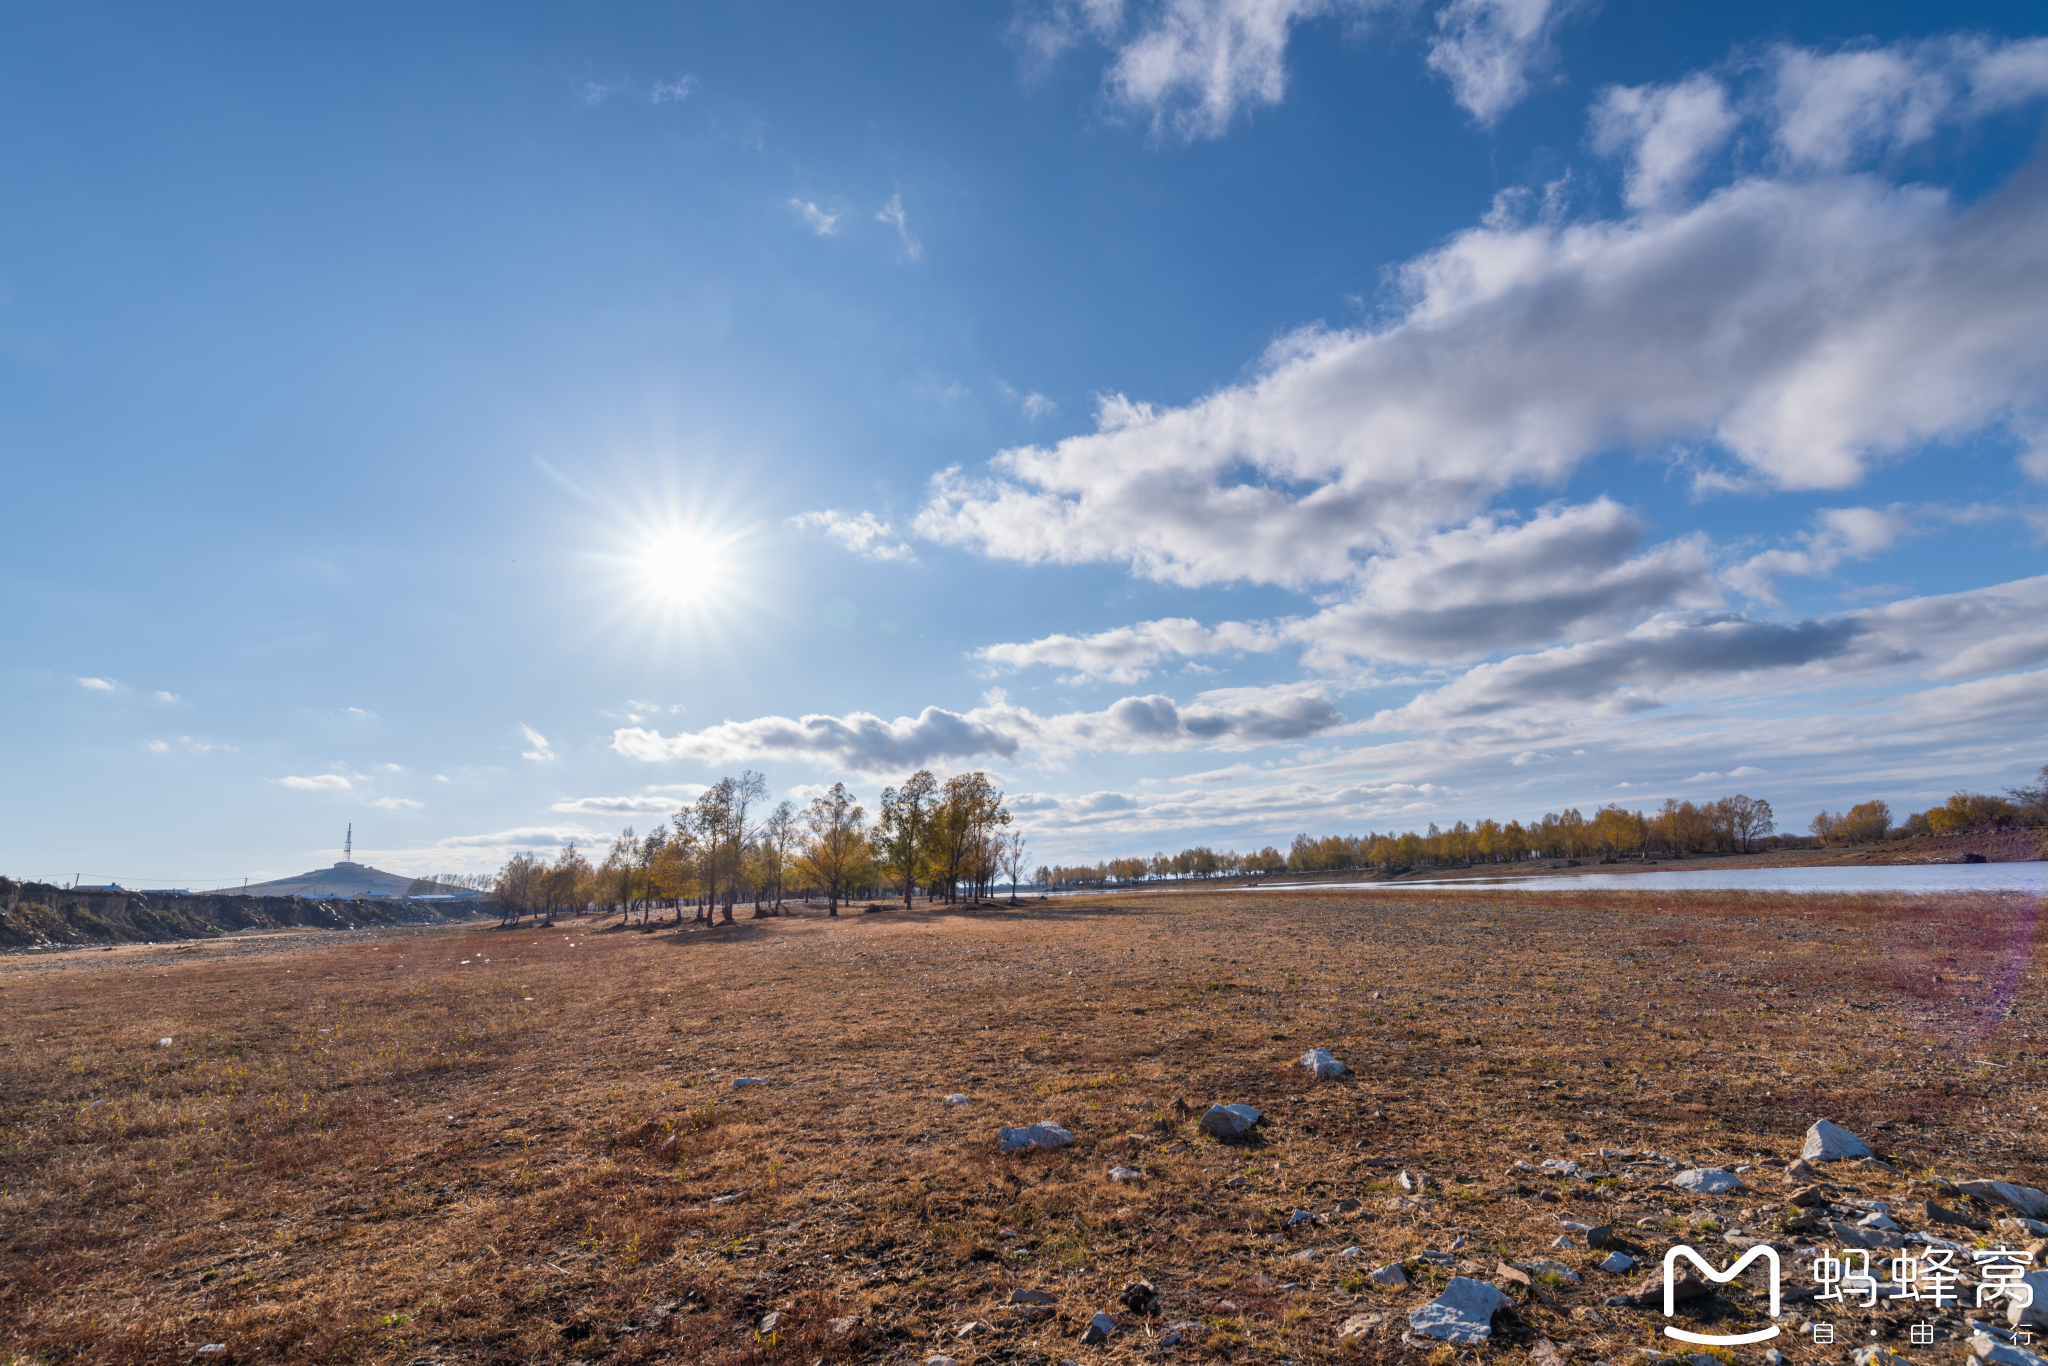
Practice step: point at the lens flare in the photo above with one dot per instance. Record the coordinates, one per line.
(682, 571)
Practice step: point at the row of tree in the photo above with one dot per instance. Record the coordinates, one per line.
(1734, 824)
(947, 837)
(1872, 821)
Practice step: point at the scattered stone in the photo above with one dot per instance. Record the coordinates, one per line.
(738, 1082)
(1300, 1216)
(1618, 1262)
(1600, 1235)
(1799, 1171)
(1307, 1254)
(1878, 1221)
(1031, 1297)
(1235, 1183)
(771, 1322)
(1829, 1142)
(1548, 1353)
(733, 1199)
(1706, 1181)
(1229, 1121)
(1851, 1235)
(969, 1330)
(1774, 1357)
(1177, 1333)
(1513, 1275)
(1346, 1205)
(1098, 1330)
(842, 1328)
(1807, 1197)
(1044, 1134)
(2025, 1199)
(940, 1361)
(956, 1099)
(1549, 1268)
(1563, 1240)
(1140, 1297)
(1389, 1276)
(1126, 1174)
(1561, 1166)
(1688, 1286)
(1352, 1252)
(1463, 1313)
(211, 1346)
(1876, 1165)
(1323, 1063)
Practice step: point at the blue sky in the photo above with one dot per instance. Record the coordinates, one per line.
(1219, 419)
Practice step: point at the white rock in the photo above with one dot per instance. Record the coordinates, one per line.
(1562, 1166)
(1300, 1216)
(1463, 1313)
(738, 1082)
(1323, 1063)
(1389, 1275)
(1352, 1252)
(1987, 1348)
(2025, 1199)
(956, 1099)
(2034, 1315)
(1706, 1180)
(1618, 1261)
(1126, 1174)
(1098, 1330)
(1549, 1268)
(1307, 1254)
(1827, 1142)
(1774, 1357)
(1877, 1220)
(1044, 1134)
(1358, 1326)
(1563, 1240)
(940, 1361)
(1229, 1121)
(166, 1043)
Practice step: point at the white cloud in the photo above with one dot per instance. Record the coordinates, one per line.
(1487, 49)
(861, 742)
(1196, 63)
(1810, 327)
(1037, 405)
(540, 752)
(96, 684)
(892, 214)
(532, 837)
(187, 744)
(165, 696)
(595, 93)
(672, 92)
(1838, 534)
(661, 801)
(1127, 654)
(822, 223)
(1667, 132)
(863, 533)
(1834, 109)
(397, 803)
(359, 713)
(157, 746)
(318, 782)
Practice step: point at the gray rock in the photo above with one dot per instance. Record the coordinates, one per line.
(1229, 1121)
(1706, 1181)
(1774, 1357)
(1031, 1297)
(2025, 1199)
(771, 1322)
(1544, 1267)
(1877, 1221)
(1177, 1333)
(1463, 1313)
(1359, 1326)
(1044, 1134)
(1098, 1330)
(1126, 1174)
(1300, 1216)
(738, 1082)
(1618, 1261)
(1828, 1142)
(1849, 1235)
(956, 1099)
(1323, 1063)
(2034, 1315)
(1799, 1171)
(1389, 1275)
(940, 1361)
(969, 1330)
(1352, 1252)
(1986, 1348)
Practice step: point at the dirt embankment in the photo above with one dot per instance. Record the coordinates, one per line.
(36, 914)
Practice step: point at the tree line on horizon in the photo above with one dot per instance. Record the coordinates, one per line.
(728, 847)
(1678, 829)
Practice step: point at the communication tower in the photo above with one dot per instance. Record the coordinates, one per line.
(348, 845)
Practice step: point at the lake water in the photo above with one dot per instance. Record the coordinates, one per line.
(1909, 877)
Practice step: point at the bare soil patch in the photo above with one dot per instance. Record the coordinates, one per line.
(468, 1145)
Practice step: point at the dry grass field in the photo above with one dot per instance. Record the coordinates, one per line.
(473, 1145)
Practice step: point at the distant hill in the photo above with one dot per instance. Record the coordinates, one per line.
(343, 879)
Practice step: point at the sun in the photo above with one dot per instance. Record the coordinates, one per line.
(682, 571)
